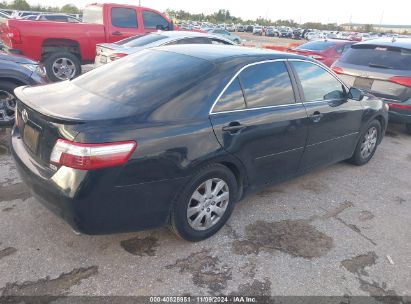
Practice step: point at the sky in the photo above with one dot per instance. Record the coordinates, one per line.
(325, 11)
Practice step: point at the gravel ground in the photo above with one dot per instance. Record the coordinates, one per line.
(342, 230)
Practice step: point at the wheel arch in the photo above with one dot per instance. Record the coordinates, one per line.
(53, 45)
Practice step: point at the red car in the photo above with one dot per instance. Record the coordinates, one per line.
(62, 46)
(325, 51)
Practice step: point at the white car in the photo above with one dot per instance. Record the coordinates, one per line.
(257, 30)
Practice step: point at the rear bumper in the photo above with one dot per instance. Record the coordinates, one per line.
(90, 201)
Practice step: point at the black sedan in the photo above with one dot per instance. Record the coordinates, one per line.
(16, 71)
(176, 135)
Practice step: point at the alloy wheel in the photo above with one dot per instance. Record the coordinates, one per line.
(369, 142)
(64, 68)
(208, 204)
(7, 106)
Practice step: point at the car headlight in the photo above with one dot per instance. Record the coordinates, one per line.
(39, 69)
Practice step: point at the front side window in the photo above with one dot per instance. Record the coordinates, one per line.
(267, 84)
(153, 20)
(232, 99)
(195, 40)
(317, 83)
(123, 17)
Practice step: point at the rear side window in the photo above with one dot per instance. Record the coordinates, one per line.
(318, 84)
(232, 99)
(93, 14)
(196, 40)
(137, 41)
(378, 57)
(315, 45)
(123, 17)
(267, 84)
(152, 20)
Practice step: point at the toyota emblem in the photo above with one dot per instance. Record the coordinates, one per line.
(24, 115)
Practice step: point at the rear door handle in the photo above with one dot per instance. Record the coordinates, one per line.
(316, 116)
(116, 33)
(233, 127)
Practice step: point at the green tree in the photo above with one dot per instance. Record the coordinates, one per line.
(21, 5)
(70, 9)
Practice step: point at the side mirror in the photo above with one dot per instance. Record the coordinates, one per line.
(355, 94)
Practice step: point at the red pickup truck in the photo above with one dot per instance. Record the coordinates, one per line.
(62, 47)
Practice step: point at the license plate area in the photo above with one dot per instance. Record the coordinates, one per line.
(363, 83)
(31, 137)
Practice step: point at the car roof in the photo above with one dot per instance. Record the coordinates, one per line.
(397, 42)
(214, 53)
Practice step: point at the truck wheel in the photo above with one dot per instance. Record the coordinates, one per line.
(62, 66)
(7, 103)
(408, 128)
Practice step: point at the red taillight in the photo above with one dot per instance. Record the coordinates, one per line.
(91, 156)
(14, 35)
(405, 81)
(337, 70)
(117, 56)
(399, 106)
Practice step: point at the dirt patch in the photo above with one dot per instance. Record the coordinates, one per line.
(47, 286)
(4, 141)
(365, 216)
(207, 271)
(231, 232)
(13, 192)
(256, 288)
(315, 187)
(357, 264)
(295, 237)
(380, 292)
(7, 251)
(270, 191)
(399, 200)
(249, 269)
(7, 209)
(391, 133)
(141, 247)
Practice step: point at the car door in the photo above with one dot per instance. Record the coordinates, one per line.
(334, 119)
(123, 23)
(153, 21)
(257, 119)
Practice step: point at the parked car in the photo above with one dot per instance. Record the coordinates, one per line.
(16, 71)
(286, 33)
(4, 16)
(230, 27)
(148, 150)
(52, 17)
(240, 28)
(109, 52)
(325, 51)
(226, 35)
(383, 67)
(272, 32)
(258, 30)
(62, 47)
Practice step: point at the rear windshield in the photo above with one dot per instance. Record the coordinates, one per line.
(136, 41)
(150, 75)
(315, 45)
(93, 14)
(378, 57)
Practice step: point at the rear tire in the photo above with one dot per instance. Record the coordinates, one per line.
(367, 144)
(408, 128)
(199, 213)
(7, 103)
(62, 66)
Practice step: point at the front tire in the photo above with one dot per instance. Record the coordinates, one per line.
(367, 145)
(205, 204)
(62, 66)
(7, 103)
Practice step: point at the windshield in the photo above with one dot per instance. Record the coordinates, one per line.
(145, 76)
(143, 40)
(315, 45)
(379, 57)
(93, 14)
